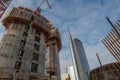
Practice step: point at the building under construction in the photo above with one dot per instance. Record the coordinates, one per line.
(29, 47)
(112, 40)
(106, 72)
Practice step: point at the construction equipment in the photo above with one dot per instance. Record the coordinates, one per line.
(3, 6)
(38, 9)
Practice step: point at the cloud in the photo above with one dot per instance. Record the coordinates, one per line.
(88, 23)
(24, 3)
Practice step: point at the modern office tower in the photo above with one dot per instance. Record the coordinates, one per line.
(29, 47)
(112, 40)
(106, 72)
(71, 73)
(80, 63)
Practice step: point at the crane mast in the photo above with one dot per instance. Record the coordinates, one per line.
(38, 9)
(3, 6)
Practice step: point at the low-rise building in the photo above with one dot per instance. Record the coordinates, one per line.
(106, 72)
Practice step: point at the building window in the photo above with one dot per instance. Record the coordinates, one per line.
(37, 38)
(34, 67)
(23, 42)
(25, 34)
(18, 64)
(26, 29)
(35, 56)
(36, 47)
(21, 52)
(32, 18)
(37, 35)
(37, 32)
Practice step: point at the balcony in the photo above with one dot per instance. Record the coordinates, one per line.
(41, 24)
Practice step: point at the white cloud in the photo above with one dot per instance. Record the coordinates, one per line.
(90, 27)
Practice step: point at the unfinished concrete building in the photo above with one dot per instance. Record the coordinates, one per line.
(112, 41)
(29, 47)
(106, 72)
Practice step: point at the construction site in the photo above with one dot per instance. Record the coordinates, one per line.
(106, 72)
(29, 47)
(31, 43)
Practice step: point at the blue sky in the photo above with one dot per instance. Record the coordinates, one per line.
(86, 20)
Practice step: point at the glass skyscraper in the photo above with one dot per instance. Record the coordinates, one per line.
(80, 63)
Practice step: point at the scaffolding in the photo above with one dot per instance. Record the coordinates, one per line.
(106, 72)
(24, 47)
(112, 40)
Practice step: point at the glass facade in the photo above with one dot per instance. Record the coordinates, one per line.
(80, 63)
(81, 58)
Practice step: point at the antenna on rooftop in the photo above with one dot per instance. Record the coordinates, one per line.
(98, 59)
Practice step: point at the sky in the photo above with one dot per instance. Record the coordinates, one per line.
(86, 21)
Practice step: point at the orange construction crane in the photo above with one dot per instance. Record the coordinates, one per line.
(38, 9)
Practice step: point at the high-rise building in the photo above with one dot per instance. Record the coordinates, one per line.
(106, 72)
(112, 40)
(80, 63)
(29, 47)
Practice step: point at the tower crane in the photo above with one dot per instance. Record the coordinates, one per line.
(3, 6)
(38, 9)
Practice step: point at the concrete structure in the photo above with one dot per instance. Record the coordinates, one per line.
(29, 48)
(106, 72)
(80, 63)
(112, 41)
(71, 73)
